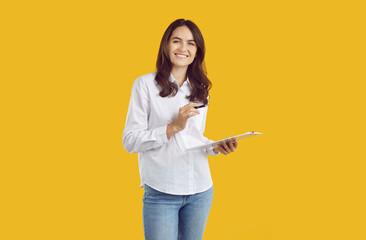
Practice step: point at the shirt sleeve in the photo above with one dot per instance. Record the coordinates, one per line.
(202, 130)
(136, 135)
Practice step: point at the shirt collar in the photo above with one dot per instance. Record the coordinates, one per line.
(172, 79)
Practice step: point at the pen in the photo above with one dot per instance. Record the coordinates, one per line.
(200, 106)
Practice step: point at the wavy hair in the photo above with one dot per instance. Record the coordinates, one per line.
(196, 71)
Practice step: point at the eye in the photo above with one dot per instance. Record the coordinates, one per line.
(192, 44)
(176, 41)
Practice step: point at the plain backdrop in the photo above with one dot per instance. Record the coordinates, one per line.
(293, 70)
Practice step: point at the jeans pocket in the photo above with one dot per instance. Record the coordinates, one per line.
(151, 191)
(155, 196)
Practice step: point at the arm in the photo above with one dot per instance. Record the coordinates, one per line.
(136, 135)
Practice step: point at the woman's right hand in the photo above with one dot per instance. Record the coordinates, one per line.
(185, 112)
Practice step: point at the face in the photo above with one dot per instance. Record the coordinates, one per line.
(182, 47)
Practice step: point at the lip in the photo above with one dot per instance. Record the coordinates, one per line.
(181, 54)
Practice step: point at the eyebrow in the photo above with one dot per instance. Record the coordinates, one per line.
(181, 39)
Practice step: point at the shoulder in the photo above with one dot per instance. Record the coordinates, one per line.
(145, 80)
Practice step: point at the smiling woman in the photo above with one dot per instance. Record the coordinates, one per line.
(163, 121)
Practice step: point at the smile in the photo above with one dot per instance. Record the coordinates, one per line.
(181, 55)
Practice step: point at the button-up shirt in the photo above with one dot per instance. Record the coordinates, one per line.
(166, 164)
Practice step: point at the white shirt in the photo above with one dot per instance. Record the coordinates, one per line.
(165, 164)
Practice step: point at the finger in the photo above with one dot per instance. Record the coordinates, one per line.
(187, 112)
(222, 150)
(227, 149)
(235, 143)
(190, 105)
(231, 146)
(191, 112)
(216, 149)
(194, 111)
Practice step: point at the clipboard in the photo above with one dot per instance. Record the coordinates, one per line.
(214, 144)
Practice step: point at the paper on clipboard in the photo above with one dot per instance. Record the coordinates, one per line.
(214, 144)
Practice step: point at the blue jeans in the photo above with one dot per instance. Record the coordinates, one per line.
(175, 217)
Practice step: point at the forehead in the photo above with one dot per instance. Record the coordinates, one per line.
(182, 32)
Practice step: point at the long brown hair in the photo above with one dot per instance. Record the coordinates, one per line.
(196, 71)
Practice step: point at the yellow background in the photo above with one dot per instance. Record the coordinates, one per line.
(293, 70)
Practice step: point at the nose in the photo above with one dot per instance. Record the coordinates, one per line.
(183, 47)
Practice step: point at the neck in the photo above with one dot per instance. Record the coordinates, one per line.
(180, 75)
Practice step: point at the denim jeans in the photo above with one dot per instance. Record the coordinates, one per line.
(175, 217)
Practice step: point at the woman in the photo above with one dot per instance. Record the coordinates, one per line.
(162, 123)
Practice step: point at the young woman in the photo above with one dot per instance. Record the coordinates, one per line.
(162, 123)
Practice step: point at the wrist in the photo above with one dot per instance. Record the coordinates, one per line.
(171, 130)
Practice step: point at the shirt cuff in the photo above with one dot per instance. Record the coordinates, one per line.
(161, 134)
(211, 152)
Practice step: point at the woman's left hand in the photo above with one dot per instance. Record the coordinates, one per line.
(226, 147)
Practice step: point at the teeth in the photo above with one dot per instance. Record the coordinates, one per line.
(179, 55)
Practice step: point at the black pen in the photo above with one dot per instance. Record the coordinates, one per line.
(200, 106)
